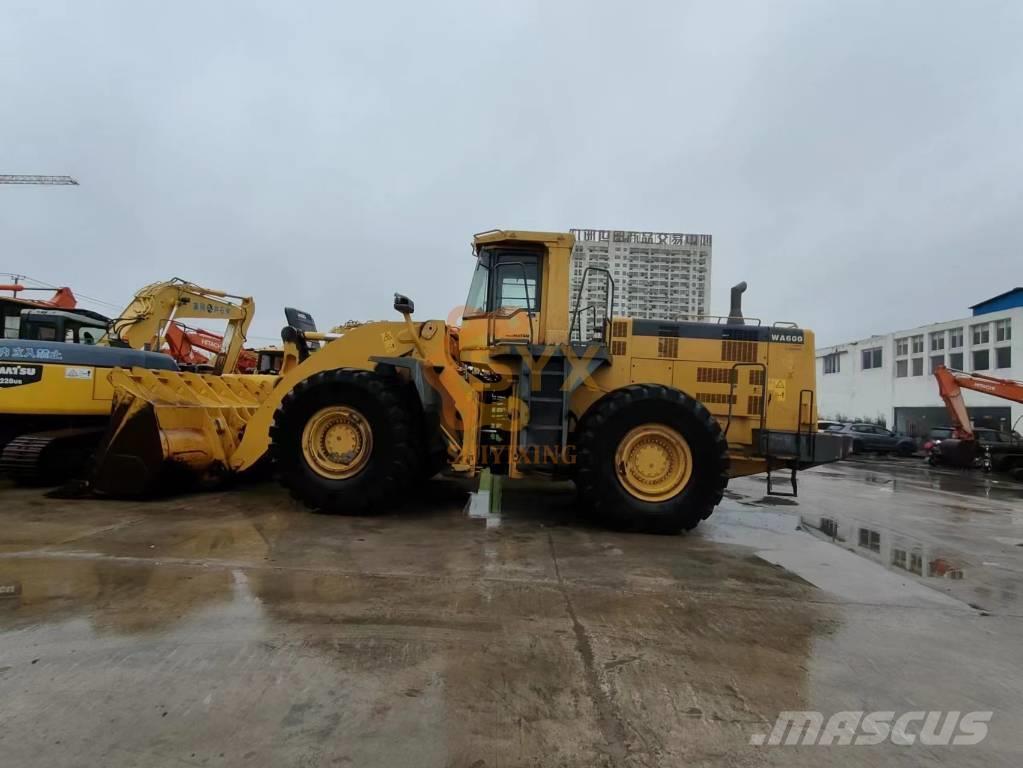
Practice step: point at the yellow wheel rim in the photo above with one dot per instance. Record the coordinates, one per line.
(337, 442)
(653, 462)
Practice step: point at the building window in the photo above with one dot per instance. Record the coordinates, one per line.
(981, 333)
(955, 338)
(981, 360)
(899, 558)
(901, 347)
(870, 539)
(1003, 330)
(1003, 357)
(871, 358)
(936, 360)
(955, 361)
(832, 363)
(918, 344)
(938, 341)
(901, 369)
(918, 366)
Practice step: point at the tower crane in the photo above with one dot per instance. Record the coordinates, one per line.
(29, 178)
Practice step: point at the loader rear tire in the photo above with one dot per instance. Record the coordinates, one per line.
(625, 434)
(361, 413)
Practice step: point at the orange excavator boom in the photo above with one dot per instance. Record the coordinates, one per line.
(951, 384)
(188, 345)
(63, 298)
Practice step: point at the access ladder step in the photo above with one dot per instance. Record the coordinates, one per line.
(771, 488)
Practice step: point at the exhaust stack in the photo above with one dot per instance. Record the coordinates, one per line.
(735, 312)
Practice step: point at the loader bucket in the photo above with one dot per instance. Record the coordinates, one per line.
(168, 427)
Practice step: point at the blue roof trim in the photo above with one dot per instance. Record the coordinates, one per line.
(1010, 292)
(25, 351)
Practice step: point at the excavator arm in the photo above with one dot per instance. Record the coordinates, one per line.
(145, 321)
(951, 384)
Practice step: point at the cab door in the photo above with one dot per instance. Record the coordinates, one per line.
(504, 305)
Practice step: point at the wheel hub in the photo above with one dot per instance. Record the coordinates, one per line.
(337, 442)
(653, 462)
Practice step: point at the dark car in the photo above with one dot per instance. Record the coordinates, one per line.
(871, 437)
(1001, 451)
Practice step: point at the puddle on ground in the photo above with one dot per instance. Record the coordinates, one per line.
(778, 501)
(894, 550)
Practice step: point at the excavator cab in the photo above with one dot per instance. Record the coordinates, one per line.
(74, 327)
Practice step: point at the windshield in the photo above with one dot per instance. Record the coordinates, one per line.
(476, 303)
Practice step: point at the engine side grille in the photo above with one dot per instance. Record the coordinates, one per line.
(667, 346)
(715, 375)
(718, 398)
(739, 351)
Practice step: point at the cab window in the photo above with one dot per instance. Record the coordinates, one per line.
(505, 279)
(517, 282)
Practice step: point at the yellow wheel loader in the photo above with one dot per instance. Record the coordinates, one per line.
(649, 418)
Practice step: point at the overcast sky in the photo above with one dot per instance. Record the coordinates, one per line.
(858, 163)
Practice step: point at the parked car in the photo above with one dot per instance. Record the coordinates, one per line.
(871, 437)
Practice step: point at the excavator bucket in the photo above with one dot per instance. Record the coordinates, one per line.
(166, 424)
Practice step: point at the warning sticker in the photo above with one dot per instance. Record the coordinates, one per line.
(78, 373)
(389, 343)
(777, 387)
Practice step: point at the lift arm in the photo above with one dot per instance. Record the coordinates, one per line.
(951, 384)
(144, 322)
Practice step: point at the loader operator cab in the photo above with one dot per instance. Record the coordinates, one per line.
(519, 292)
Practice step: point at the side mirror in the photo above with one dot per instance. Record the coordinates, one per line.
(404, 304)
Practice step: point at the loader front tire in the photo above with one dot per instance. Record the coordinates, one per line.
(344, 442)
(650, 458)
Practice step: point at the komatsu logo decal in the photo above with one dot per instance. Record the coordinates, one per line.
(788, 337)
(16, 375)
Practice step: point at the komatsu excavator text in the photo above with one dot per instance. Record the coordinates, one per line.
(649, 417)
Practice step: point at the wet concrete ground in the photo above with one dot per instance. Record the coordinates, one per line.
(237, 629)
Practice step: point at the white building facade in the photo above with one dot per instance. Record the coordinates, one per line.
(657, 275)
(890, 377)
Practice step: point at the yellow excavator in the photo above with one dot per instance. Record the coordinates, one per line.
(55, 397)
(650, 418)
